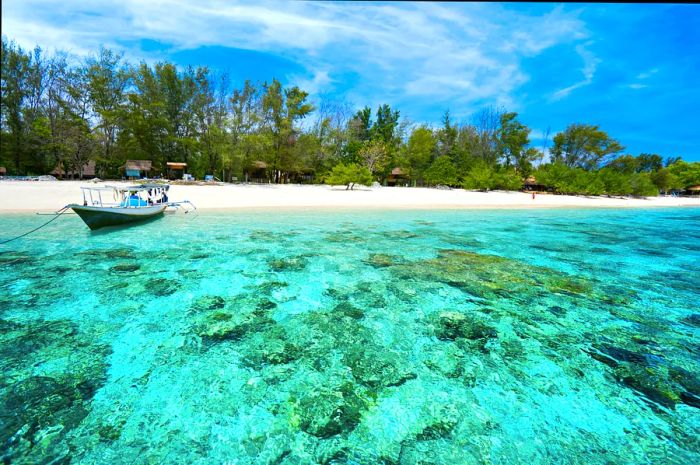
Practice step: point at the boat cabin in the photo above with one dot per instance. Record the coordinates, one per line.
(144, 195)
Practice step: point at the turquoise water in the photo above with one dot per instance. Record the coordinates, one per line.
(394, 337)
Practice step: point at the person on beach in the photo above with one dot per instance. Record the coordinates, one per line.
(533, 196)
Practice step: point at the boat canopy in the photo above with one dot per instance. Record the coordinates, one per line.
(126, 196)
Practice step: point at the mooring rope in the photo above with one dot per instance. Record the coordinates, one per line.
(58, 213)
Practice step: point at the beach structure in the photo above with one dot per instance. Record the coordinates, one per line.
(257, 172)
(397, 177)
(693, 190)
(86, 171)
(176, 170)
(3, 171)
(530, 184)
(136, 169)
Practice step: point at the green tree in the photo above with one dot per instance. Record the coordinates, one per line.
(282, 109)
(665, 181)
(649, 162)
(584, 145)
(513, 137)
(625, 164)
(441, 172)
(447, 137)
(481, 177)
(419, 151)
(642, 185)
(615, 183)
(374, 156)
(244, 122)
(349, 175)
(509, 179)
(687, 174)
(107, 78)
(17, 102)
(385, 125)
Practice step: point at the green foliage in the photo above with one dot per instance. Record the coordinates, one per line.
(481, 177)
(513, 136)
(419, 150)
(374, 155)
(56, 113)
(687, 174)
(642, 186)
(349, 175)
(583, 145)
(447, 137)
(385, 125)
(441, 172)
(609, 180)
(615, 183)
(665, 181)
(508, 179)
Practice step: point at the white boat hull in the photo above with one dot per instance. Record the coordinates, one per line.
(99, 217)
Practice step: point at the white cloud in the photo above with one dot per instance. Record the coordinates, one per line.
(641, 79)
(590, 64)
(647, 74)
(448, 54)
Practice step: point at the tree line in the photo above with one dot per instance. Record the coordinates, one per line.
(55, 111)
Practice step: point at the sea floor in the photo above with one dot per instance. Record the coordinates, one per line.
(384, 337)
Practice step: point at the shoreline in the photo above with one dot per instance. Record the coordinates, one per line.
(43, 196)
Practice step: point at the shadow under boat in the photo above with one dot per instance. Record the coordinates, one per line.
(120, 227)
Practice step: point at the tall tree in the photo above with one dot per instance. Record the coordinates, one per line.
(486, 122)
(447, 137)
(384, 126)
(513, 137)
(283, 108)
(584, 145)
(108, 77)
(419, 151)
(15, 89)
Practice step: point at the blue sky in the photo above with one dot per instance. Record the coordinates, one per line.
(632, 69)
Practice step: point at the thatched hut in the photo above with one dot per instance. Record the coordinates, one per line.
(257, 172)
(136, 169)
(176, 170)
(397, 177)
(693, 190)
(87, 171)
(530, 184)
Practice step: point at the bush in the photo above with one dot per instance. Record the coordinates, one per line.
(441, 171)
(509, 180)
(643, 186)
(480, 177)
(349, 175)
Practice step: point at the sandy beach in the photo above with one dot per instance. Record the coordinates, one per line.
(22, 196)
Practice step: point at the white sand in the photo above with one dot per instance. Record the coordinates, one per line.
(25, 196)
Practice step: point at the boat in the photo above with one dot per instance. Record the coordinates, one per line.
(114, 206)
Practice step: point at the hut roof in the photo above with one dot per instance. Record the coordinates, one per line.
(88, 169)
(398, 172)
(3, 170)
(694, 188)
(176, 165)
(140, 165)
(258, 164)
(531, 180)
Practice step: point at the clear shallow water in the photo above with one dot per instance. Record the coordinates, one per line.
(405, 337)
